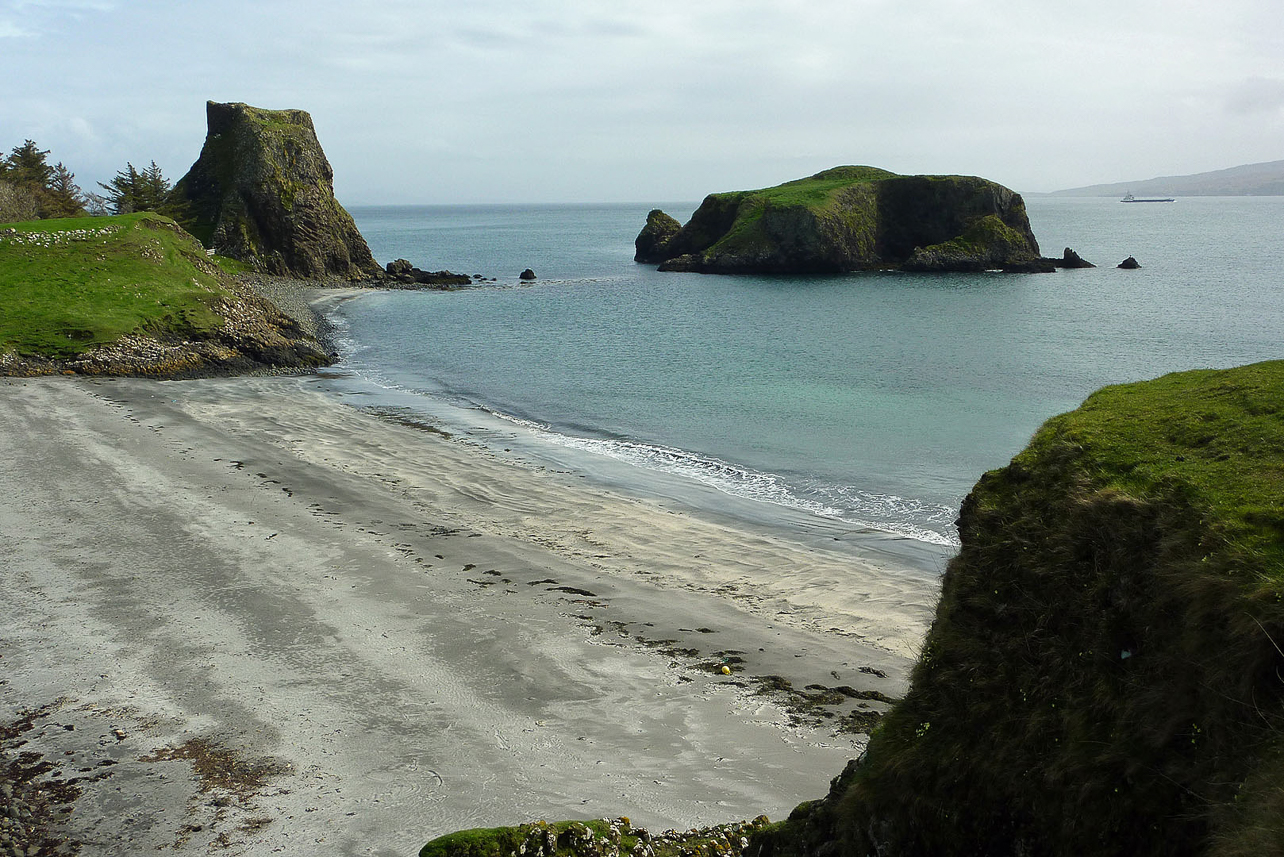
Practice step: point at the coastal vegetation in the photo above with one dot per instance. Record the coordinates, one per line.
(848, 219)
(76, 291)
(598, 838)
(31, 188)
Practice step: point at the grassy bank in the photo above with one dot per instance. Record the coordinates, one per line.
(70, 285)
(1105, 674)
(134, 295)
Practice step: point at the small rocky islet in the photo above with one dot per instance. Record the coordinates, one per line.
(850, 218)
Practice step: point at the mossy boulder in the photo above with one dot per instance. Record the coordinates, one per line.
(1105, 673)
(262, 192)
(850, 219)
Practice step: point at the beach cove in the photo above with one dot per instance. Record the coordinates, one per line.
(249, 616)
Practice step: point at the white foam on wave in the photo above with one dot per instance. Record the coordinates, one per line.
(868, 509)
(926, 522)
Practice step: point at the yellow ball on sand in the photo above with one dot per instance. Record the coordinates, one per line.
(726, 670)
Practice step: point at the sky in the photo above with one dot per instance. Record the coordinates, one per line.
(493, 101)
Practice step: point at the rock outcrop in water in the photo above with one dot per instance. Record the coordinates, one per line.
(262, 192)
(850, 219)
(654, 237)
(1105, 674)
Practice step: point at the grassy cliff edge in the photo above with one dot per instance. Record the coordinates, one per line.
(132, 295)
(1105, 674)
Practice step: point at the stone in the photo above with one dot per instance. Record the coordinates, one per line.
(528, 274)
(399, 266)
(1129, 264)
(1071, 259)
(262, 192)
(654, 237)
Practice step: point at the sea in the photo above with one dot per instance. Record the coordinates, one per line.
(865, 402)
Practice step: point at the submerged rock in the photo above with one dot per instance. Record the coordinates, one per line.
(851, 219)
(401, 271)
(262, 192)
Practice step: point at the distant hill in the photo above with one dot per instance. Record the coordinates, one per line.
(1250, 180)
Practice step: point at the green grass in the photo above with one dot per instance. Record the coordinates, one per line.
(751, 230)
(820, 187)
(1215, 437)
(70, 285)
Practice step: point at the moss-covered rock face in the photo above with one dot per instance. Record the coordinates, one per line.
(654, 237)
(262, 191)
(1105, 674)
(851, 219)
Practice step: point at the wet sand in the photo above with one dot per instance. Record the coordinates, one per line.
(258, 621)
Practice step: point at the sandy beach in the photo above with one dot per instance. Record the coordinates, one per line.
(254, 620)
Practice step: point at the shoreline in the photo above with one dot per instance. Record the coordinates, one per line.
(406, 634)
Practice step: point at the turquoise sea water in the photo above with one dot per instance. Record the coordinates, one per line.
(876, 399)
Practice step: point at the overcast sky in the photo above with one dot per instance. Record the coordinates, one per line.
(663, 100)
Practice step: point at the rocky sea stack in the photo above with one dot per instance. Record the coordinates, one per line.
(1105, 673)
(262, 192)
(850, 219)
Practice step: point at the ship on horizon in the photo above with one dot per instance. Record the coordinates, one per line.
(1128, 197)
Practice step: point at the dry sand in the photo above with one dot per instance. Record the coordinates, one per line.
(264, 622)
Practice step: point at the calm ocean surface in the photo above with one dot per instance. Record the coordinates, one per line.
(873, 399)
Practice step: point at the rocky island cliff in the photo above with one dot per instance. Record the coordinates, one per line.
(1105, 672)
(849, 218)
(262, 192)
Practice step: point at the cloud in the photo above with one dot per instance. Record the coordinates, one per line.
(10, 30)
(95, 5)
(1256, 96)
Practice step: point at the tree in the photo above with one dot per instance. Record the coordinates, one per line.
(34, 189)
(63, 196)
(134, 190)
(17, 203)
(26, 164)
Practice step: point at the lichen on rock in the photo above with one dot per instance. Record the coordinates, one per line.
(262, 192)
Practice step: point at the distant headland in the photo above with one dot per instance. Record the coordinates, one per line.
(1265, 179)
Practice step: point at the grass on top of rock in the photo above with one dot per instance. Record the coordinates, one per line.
(1105, 673)
(1212, 437)
(820, 187)
(70, 285)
